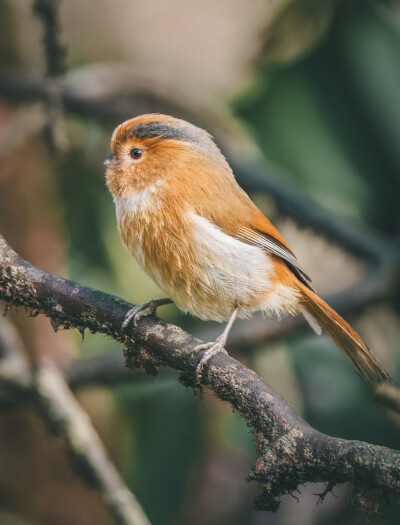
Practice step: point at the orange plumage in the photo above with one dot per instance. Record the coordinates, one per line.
(191, 227)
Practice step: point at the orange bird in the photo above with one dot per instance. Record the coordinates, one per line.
(198, 235)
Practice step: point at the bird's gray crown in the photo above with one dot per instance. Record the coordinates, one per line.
(175, 130)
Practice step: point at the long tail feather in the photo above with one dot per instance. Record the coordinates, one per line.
(349, 342)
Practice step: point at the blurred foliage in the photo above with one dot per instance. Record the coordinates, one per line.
(333, 118)
(165, 436)
(296, 27)
(8, 53)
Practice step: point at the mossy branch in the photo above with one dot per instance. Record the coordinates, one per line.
(289, 451)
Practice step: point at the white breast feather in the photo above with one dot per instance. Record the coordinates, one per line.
(230, 263)
(238, 272)
(137, 202)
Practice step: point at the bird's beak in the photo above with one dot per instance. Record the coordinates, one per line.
(110, 159)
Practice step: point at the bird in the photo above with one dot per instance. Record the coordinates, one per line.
(198, 235)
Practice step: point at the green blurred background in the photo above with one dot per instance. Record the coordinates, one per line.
(315, 87)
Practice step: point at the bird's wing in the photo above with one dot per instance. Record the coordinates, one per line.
(240, 218)
(262, 233)
(258, 231)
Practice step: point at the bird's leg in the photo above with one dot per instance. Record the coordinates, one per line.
(216, 346)
(149, 308)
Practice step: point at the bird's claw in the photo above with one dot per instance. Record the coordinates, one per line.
(211, 349)
(142, 310)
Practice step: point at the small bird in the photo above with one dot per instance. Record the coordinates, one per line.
(197, 234)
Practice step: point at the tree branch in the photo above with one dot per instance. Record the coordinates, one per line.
(55, 53)
(98, 370)
(290, 452)
(67, 419)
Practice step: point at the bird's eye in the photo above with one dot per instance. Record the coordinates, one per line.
(136, 153)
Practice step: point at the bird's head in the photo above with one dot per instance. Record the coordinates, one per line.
(154, 147)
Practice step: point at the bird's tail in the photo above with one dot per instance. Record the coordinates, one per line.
(349, 342)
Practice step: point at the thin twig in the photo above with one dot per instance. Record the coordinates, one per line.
(70, 421)
(98, 370)
(55, 53)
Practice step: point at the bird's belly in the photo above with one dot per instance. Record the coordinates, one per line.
(212, 288)
(210, 272)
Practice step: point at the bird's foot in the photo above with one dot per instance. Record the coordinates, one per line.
(142, 310)
(211, 349)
